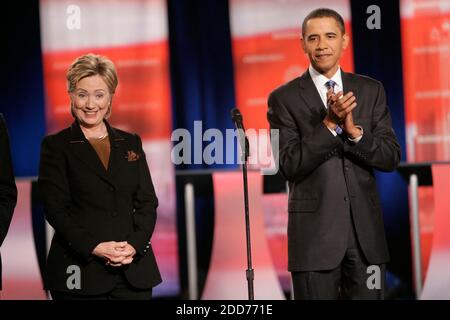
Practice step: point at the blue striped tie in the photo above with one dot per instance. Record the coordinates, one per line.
(330, 85)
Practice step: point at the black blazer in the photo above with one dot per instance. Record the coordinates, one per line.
(330, 175)
(87, 204)
(8, 190)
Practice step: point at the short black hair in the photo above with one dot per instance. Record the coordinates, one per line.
(324, 13)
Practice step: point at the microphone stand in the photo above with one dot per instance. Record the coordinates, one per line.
(236, 116)
(249, 271)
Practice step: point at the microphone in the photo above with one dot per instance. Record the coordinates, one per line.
(236, 116)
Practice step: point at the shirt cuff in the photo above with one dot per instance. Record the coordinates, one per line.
(356, 140)
(332, 131)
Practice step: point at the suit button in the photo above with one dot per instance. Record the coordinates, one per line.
(114, 213)
(111, 188)
(346, 168)
(345, 198)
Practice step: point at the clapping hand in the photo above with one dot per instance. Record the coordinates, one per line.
(339, 106)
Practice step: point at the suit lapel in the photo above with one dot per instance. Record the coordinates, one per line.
(310, 95)
(82, 149)
(117, 150)
(349, 83)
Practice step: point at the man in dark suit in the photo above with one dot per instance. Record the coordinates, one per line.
(334, 130)
(8, 190)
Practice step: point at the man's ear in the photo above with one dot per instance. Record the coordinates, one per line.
(302, 40)
(346, 38)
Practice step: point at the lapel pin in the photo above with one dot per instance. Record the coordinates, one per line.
(132, 156)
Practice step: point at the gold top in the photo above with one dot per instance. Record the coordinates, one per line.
(103, 148)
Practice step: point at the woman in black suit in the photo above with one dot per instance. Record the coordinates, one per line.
(8, 190)
(98, 196)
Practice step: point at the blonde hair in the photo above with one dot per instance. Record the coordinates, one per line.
(90, 65)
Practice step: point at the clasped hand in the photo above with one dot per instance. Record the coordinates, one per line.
(115, 253)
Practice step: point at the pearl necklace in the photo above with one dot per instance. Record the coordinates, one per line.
(99, 138)
(102, 137)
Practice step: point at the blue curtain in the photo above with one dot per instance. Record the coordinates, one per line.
(201, 68)
(377, 53)
(21, 85)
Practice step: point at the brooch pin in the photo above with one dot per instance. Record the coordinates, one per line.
(132, 156)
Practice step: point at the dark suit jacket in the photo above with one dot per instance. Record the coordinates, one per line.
(8, 190)
(329, 177)
(87, 204)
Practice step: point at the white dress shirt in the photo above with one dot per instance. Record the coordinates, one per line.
(319, 81)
